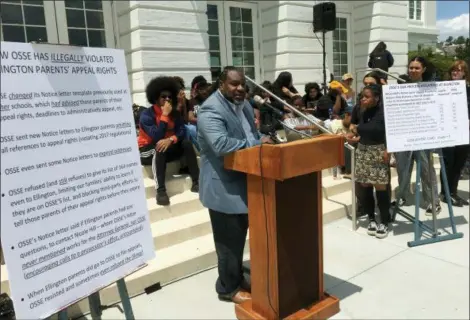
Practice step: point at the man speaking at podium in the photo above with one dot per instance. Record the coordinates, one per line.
(226, 124)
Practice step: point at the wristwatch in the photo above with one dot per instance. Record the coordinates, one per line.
(172, 139)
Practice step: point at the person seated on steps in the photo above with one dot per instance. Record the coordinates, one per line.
(200, 90)
(341, 127)
(295, 124)
(162, 128)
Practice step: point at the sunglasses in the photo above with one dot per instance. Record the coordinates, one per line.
(165, 96)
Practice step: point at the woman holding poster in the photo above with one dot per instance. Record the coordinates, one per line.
(418, 71)
(455, 157)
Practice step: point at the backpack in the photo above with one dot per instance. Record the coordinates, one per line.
(379, 61)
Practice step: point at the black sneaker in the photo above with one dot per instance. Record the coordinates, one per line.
(162, 198)
(372, 228)
(382, 231)
(399, 202)
(455, 200)
(195, 187)
(462, 201)
(429, 209)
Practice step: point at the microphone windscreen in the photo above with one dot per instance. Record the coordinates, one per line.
(258, 99)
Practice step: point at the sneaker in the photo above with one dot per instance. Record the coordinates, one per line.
(162, 198)
(462, 201)
(195, 188)
(372, 228)
(400, 202)
(455, 200)
(382, 231)
(429, 209)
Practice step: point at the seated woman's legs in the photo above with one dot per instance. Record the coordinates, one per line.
(191, 135)
(191, 160)
(174, 152)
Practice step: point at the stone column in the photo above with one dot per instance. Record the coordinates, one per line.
(375, 21)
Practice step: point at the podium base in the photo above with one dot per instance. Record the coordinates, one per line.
(323, 309)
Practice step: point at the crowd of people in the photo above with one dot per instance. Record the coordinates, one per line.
(168, 132)
(226, 116)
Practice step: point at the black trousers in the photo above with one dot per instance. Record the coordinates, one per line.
(229, 236)
(174, 152)
(454, 161)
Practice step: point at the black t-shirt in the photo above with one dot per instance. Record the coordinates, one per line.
(371, 126)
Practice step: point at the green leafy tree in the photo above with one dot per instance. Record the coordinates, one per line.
(463, 52)
(440, 63)
(459, 40)
(449, 39)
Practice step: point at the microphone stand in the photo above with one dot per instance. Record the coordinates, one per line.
(312, 119)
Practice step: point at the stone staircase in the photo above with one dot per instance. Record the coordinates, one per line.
(182, 233)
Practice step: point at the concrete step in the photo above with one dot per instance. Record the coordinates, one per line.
(172, 169)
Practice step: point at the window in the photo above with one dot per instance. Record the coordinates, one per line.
(340, 48)
(242, 41)
(76, 22)
(214, 41)
(23, 21)
(233, 37)
(85, 23)
(414, 9)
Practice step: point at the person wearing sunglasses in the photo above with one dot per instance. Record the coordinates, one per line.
(162, 133)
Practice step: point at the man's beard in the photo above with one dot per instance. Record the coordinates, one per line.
(238, 102)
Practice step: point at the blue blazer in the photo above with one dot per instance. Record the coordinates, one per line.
(220, 132)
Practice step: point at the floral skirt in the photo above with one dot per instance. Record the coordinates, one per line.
(370, 166)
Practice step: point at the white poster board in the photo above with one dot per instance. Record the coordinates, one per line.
(73, 212)
(426, 115)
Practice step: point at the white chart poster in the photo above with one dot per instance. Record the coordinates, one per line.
(73, 210)
(427, 115)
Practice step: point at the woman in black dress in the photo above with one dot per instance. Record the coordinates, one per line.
(372, 168)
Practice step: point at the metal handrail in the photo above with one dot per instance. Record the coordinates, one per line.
(320, 124)
(316, 121)
(380, 71)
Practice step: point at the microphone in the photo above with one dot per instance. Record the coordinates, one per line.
(261, 101)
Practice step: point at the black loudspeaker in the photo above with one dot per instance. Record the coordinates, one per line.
(324, 17)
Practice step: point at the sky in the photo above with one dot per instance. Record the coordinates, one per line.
(452, 18)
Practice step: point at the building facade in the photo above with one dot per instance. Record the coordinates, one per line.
(189, 38)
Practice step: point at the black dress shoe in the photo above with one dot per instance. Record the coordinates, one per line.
(463, 201)
(195, 187)
(162, 198)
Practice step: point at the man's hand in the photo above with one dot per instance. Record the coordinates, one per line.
(267, 139)
(164, 144)
(166, 109)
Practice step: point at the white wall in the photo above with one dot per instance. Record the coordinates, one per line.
(416, 39)
(163, 38)
(375, 21)
(288, 42)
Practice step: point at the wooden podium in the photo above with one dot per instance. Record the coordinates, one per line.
(286, 227)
